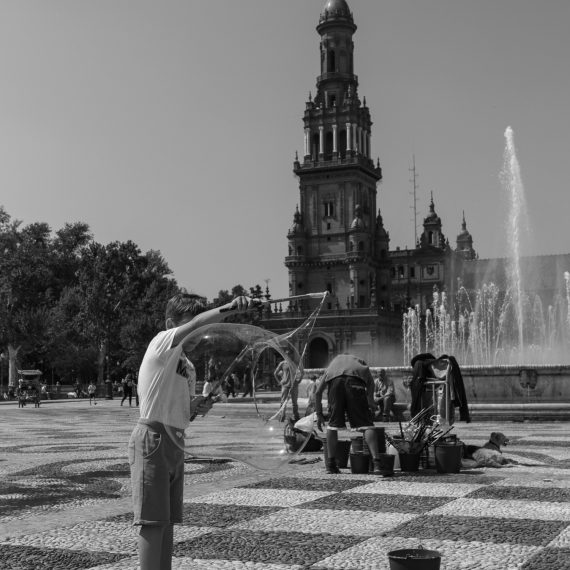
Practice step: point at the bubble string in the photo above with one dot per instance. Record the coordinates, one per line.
(309, 324)
(249, 343)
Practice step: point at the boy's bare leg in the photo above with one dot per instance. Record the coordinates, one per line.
(155, 547)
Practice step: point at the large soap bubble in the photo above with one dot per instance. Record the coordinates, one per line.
(248, 428)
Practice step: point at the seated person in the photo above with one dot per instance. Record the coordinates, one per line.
(384, 396)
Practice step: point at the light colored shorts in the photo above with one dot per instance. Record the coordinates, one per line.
(156, 458)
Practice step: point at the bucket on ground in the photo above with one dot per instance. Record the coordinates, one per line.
(409, 461)
(414, 559)
(359, 462)
(448, 457)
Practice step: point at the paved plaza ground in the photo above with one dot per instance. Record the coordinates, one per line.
(65, 502)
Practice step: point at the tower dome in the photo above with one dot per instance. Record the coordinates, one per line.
(336, 10)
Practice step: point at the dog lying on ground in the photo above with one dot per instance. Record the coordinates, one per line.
(490, 454)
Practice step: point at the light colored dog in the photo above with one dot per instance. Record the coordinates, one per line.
(490, 454)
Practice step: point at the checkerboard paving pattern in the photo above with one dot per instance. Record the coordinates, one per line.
(345, 522)
(62, 478)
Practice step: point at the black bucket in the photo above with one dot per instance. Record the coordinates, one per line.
(359, 462)
(448, 457)
(409, 461)
(414, 559)
(342, 451)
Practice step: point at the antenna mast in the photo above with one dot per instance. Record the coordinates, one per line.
(414, 181)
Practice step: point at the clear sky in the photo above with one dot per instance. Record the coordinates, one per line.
(174, 123)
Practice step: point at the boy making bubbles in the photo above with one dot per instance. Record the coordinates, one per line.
(156, 449)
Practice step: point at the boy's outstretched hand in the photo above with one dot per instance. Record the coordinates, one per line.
(241, 304)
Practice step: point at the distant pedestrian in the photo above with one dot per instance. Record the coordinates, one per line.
(229, 385)
(311, 388)
(286, 377)
(128, 389)
(136, 388)
(91, 390)
(247, 383)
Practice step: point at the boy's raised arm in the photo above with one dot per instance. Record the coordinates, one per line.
(216, 315)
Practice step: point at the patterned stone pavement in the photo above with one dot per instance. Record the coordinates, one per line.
(65, 502)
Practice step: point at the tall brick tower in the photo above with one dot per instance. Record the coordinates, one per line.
(337, 241)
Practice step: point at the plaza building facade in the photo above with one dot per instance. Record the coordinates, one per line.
(338, 241)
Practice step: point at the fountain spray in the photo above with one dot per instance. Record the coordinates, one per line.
(512, 182)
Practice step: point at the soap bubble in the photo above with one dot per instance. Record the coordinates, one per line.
(248, 428)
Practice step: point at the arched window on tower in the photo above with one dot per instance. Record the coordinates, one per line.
(331, 61)
(342, 143)
(360, 246)
(315, 149)
(328, 145)
(299, 250)
(430, 238)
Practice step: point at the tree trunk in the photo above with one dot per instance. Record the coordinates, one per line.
(13, 365)
(101, 362)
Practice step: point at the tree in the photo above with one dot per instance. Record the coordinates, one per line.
(26, 288)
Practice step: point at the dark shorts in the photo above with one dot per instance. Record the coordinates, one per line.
(156, 458)
(348, 398)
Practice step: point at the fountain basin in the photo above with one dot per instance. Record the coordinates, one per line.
(505, 392)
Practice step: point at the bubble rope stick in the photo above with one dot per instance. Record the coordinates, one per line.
(321, 296)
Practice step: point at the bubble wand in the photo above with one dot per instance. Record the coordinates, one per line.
(320, 296)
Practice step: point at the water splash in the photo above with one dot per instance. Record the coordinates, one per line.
(512, 183)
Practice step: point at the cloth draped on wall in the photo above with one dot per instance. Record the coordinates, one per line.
(422, 370)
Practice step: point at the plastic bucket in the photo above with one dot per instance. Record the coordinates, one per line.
(448, 457)
(409, 461)
(414, 559)
(386, 461)
(359, 462)
(342, 451)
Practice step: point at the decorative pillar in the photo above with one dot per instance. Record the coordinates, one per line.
(368, 152)
(321, 140)
(307, 142)
(348, 137)
(355, 137)
(359, 138)
(335, 136)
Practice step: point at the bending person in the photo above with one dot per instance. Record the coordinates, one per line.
(350, 395)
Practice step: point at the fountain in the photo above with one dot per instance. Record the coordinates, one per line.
(513, 352)
(489, 326)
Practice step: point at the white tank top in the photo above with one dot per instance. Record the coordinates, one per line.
(167, 381)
